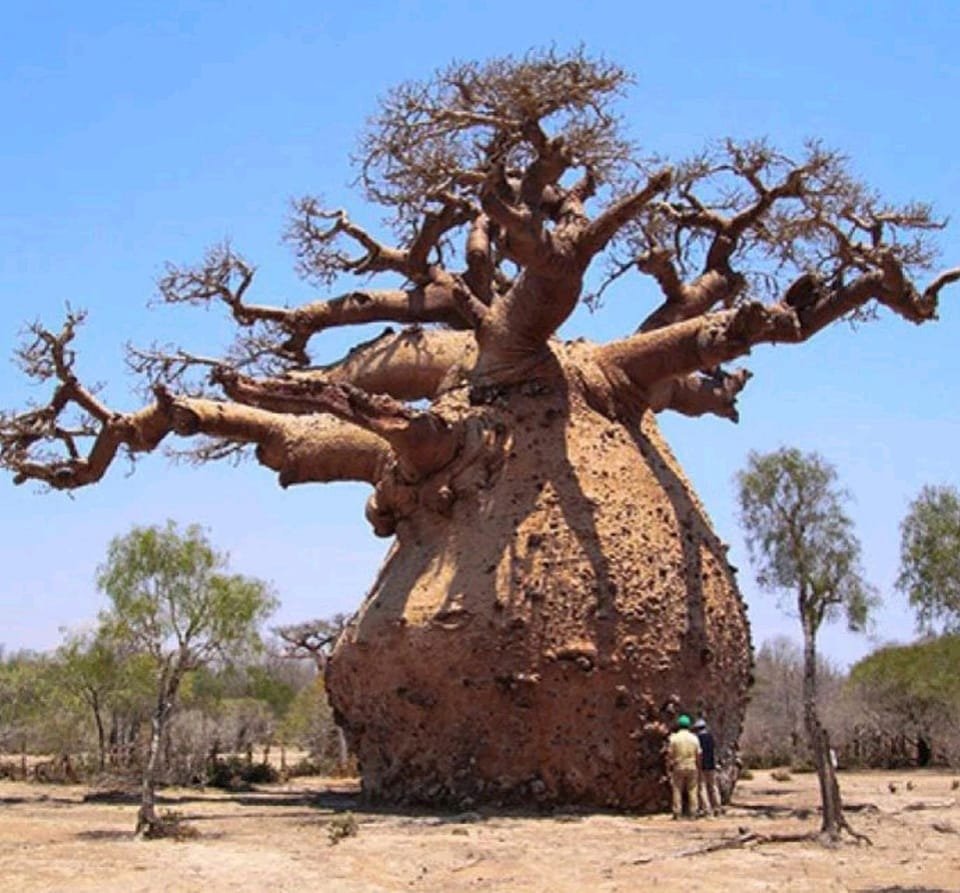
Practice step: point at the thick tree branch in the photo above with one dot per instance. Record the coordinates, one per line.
(39, 445)
(684, 300)
(602, 229)
(481, 270)
(551, 162)
(522, 235)
(424, 442)
(713, 393)
(809, 305)
(414, 364)
(300, 450)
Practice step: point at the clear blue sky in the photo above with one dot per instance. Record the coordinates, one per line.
(143, 132)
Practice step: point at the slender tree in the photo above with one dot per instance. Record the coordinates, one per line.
(91, 666)
(930, 558)
(554, 583)
(172, 601)
(801, 541)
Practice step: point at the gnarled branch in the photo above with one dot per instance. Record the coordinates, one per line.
(423, 441)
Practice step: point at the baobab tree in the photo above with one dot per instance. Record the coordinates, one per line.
(554, 591)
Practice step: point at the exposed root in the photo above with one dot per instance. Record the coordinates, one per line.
(747, 838)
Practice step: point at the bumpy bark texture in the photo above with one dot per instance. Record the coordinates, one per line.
(534, 644)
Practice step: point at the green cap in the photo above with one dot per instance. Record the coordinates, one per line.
(683, 721)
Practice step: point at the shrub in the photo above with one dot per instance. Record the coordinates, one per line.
(233, 774)
(780, 775)
(342, 826)
(171, 826)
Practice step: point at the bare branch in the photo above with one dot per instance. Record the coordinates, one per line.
(38, 445)
(444, 134)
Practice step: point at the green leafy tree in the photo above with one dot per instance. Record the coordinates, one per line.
(910, 696)
(801, 542)
(930, 558)
(22, 687)
(91, 667)
(172, 601)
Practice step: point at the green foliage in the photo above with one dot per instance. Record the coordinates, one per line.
(918, 682)
(309, 724)
(800, 537)
(930, 558)
(170, 597)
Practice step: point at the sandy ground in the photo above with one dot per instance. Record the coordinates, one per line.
(277, 838)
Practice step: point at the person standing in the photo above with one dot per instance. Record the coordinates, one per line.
(683, 764)
(709, 793)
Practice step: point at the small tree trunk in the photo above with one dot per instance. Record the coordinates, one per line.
(819, 742)
(101, 737)
(147, 819)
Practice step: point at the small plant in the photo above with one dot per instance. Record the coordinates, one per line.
(171, 826)
(746, 774)
(780, 775)
(341, 827)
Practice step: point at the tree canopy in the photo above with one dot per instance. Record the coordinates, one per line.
(930, 558)
(171, 599)
(505, 181)
(800, 536)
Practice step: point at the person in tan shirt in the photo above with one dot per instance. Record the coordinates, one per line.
(683, 764)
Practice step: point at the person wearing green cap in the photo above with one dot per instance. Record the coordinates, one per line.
(683, 764)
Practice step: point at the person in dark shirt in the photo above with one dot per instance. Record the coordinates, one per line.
(709, 793)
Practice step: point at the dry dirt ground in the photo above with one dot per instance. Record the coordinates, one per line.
(278, 838)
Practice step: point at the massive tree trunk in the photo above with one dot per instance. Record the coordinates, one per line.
(534, 642)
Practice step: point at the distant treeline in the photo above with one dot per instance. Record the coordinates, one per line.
(86, 708)
(899, 706)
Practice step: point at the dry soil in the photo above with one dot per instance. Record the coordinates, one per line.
(278, 838)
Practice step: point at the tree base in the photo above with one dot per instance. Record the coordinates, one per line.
(540, 656)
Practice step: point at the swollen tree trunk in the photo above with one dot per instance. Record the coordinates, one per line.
(531, 639)
(818, 740)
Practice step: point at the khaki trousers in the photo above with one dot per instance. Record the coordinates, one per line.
(709, 792)
(684, 780)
